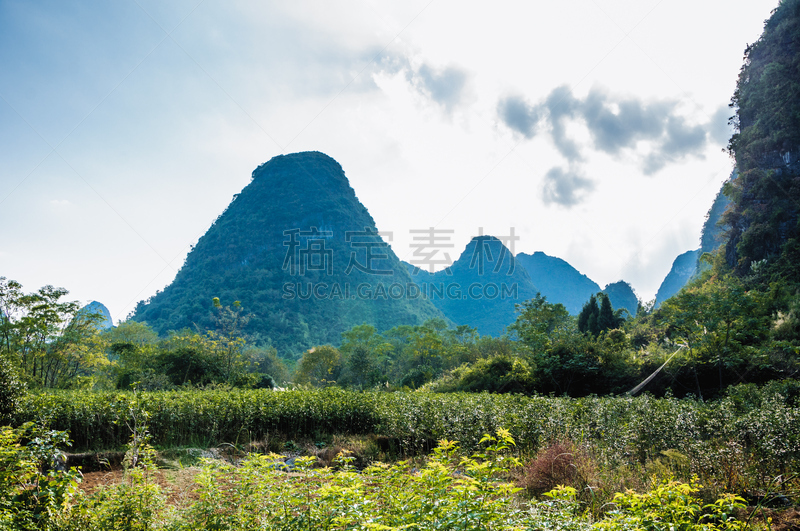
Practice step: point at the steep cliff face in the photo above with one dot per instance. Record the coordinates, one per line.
(301, 254)
(764, 214)
(689, 265)
(481, 288)
(683, 269)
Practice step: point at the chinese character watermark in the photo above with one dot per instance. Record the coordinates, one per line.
(374, 248)
(314, 256)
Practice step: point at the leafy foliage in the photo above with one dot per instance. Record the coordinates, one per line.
(11, 390)
(675, 506)
(594, 319)
(51, 342)
(735, 443)
(34, 494)
(450, 489)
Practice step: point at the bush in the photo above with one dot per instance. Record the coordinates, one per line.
(33, 492)
(560, 463)
(498, 374)
(11, 390)
(675, 506)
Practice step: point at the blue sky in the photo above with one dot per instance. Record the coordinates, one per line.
(593, 128)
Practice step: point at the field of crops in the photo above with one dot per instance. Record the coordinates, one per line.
(679, 454)
(751, 426)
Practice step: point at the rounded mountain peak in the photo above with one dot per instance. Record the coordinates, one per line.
(308, 169)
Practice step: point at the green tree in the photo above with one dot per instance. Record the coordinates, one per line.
(569, 367)
(539, 323)
(266, 364)
(133, 351)
(12, 389)
(319, 366)
(189, 358)
(589, 310)
(594, 319)
(606, 320)
(360, 364)
(720, 323)
(52, 343)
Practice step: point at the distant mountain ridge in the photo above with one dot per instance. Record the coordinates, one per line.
(522, 277)
(481, 288)
(557, 280)
(621, 295)
(304, 258)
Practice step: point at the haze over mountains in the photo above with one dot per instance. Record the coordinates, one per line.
(687, 265)
(304, 258)
(481, 288)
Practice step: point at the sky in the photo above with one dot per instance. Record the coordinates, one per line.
(592, 129)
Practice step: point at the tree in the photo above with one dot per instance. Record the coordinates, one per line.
(189, 358)
(10, 305)
(265, 362)
(569, 366)
(589, 317)
(51, 342)
(606, 320)
(716, 320)
(319, 366)
(594, 320)
(539, 323)
(11, 390)
(360, 365)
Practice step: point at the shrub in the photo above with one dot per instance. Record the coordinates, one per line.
(560, 463)
(675, 506)
(11, 390)
(33, 492)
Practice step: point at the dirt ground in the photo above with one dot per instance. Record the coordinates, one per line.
(782, 520)
(177, 485)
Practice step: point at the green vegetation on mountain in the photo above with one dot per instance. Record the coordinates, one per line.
(763, 217)
(301, 254)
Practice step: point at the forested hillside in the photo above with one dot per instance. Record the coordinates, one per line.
(293, 248)
(765, 197)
